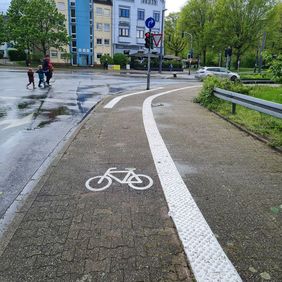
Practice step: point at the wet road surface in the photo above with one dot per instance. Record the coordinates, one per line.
(33, 122)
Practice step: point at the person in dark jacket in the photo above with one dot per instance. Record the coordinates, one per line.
(40, 73)
(45, 67)
(30, 75)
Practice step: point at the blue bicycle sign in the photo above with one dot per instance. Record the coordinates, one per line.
(150, 22)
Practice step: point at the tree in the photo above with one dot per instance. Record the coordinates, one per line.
(274, 30)
(120, 59)
(173, 40)
(2, 29)
(37, 24)
(196, 18)
(176, 43)
(245, 25)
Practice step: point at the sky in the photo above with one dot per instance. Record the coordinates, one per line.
(171, 5)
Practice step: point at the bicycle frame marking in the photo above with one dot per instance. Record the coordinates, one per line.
(127, 171)
(128, 176)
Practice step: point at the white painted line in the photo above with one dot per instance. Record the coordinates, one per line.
(207, 258)
(113, 102)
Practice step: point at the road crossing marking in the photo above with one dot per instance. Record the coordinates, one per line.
(207, 258)
(113, 102)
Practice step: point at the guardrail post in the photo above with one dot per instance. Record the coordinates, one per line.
(233, 109)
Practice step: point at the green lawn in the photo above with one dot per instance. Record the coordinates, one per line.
(262, 124)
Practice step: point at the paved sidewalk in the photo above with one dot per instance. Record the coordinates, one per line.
(121, 234)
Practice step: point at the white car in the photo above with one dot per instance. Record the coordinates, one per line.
(217, 71)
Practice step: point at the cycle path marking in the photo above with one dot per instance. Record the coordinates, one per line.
(113, 102)
(207, 258)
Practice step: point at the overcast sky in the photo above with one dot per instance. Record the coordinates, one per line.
(171, 5)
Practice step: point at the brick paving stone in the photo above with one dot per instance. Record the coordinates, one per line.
(120, 234)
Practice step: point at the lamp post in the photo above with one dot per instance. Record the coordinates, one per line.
(161, 47)
(191, 44)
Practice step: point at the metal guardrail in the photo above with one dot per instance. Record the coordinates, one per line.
(259, 105)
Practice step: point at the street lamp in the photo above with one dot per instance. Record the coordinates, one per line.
(161, 46)
(191, 42)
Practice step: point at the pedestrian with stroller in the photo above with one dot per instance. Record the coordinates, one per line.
(30, 75)
(40, 73)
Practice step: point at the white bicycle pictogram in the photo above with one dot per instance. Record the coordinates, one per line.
(135, 181)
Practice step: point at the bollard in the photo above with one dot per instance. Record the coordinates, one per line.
(175, 74)
(233, 109)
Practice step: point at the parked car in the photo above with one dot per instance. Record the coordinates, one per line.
(217, 71)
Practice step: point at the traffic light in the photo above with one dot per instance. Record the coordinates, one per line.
(148, 40)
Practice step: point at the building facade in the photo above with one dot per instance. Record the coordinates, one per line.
(98, 27)
(129, 18)
(102, 29)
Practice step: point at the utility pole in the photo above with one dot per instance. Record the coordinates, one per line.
(191, 50)
(261, 50)
(149, 63)
(162, 41)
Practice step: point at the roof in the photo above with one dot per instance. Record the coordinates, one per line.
(104, 2)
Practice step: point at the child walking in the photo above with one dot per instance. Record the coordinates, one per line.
(30, 74)
(40, 76)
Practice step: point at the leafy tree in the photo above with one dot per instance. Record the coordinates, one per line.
(274, 30)
(246, 22)
(108, 58)
(197, 18)
(275, 68)
(2, 29)
(37, 24)
(176, 43)
(120, 59)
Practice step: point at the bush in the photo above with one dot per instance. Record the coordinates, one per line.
(206, 96)
(120, 59)
(16, 55)
(106, 57)
(1, 55)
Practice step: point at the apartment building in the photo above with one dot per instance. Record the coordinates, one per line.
(99, 27)
(129, 18)
(102, 29)
(57, 56)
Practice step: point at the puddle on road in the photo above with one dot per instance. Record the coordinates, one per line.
(3, 112)
(25, 104)
(51, 115)
(37, 97)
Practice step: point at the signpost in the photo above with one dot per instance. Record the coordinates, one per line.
(150, 23)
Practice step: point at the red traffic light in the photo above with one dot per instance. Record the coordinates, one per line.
(147, 34)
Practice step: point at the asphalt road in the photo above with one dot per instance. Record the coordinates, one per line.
(33, 123)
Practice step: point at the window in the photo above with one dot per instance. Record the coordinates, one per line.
(73, 13)
(73, 29)
(54, 54)
(107, 12)
(141, 15)
(124, 31)
(107, 41)
(140, 33)
(99, 55)
(74, 43)
(107, 27)
(99, 26)
(156, 16)
(99, 41)
(124, 12)
(99, 11)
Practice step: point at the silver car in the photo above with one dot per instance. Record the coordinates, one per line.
(217, 71)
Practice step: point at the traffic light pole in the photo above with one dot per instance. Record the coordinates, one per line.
(149, 64)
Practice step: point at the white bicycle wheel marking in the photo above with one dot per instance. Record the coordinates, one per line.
(207, 259)
(113, 102)
(135, 181)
